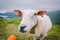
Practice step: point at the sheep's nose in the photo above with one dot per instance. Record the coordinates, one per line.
(22, 27)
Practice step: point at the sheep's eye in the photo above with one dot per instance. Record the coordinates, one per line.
(35, 14)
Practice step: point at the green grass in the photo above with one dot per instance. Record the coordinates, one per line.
(9, 27)
(3, 31)
(3, 22)
(54, 33)
(14, 21)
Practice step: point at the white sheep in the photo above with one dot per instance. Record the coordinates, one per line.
(37, 20)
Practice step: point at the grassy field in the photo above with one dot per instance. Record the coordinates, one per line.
(9, 27)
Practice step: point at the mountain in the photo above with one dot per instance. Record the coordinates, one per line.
(55, 16)
(8, 15)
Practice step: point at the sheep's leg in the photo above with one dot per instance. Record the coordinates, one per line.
(42, 37)
(45, 34)
(34, 37)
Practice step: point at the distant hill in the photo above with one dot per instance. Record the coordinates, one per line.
(8, 15)
(54, 15)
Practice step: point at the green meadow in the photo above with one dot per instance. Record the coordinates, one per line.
(9, 27)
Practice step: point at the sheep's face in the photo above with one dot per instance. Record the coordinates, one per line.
(29, 19)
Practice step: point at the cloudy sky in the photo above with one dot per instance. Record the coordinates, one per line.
(26, 4)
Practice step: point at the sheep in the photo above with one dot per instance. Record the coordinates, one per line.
(34, 20)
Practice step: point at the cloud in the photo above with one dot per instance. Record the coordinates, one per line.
(34, 4)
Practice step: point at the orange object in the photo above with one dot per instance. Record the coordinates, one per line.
(12, 37)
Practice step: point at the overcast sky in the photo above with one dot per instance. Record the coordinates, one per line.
(26, 4)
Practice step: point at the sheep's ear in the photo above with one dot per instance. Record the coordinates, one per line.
(19, 13)
(41, 12)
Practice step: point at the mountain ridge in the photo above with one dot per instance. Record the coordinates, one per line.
(54, 15)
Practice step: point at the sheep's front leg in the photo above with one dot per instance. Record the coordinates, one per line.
(42, 37)
(34, 38)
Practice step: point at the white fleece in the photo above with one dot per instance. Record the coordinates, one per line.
(44, 25)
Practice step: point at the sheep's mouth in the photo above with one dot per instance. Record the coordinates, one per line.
(22, 31)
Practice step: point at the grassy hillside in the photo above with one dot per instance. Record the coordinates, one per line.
(10, 27)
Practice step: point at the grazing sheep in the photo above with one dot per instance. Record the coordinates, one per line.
(37, 21)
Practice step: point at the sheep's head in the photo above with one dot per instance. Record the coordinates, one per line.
(29, 19)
